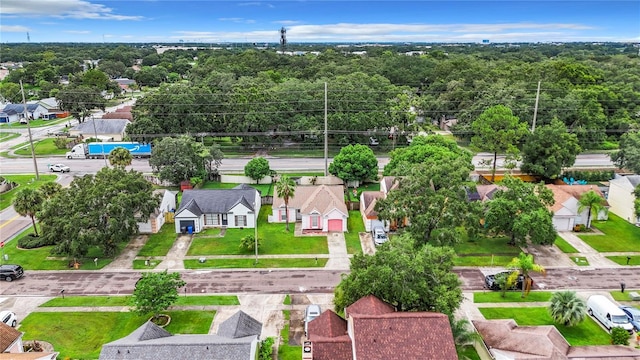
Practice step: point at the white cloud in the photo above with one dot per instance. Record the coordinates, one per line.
(13, 28)
(74, 9)
(77, 32)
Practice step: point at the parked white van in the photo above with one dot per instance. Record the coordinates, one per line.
(608, 313)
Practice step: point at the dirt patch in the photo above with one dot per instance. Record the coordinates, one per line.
(549, 256)
(366, 241)
(296, 327)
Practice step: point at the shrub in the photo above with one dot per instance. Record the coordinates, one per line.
(266, 349)
(619, 336)
(31, 242)
(595, 175)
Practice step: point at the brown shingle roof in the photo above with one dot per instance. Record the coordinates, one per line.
(327, 325)
(577, 190)
(369, 305)
(322, 198)
(523, 342)
(370, 198)
(118, 115)
(8, 336)
(338, 348)
(403, 335)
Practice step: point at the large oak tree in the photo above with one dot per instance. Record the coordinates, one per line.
(97, 210)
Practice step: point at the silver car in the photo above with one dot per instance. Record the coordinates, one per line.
(59, 168)
(312, 312)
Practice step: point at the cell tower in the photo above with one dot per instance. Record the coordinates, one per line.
(283, 39)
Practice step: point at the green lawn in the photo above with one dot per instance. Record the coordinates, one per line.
(622, 296)
(622, 259)
(27, 181)
(41, 258)
(564, 246)
(619, 235)
(265, 189)
(511, 296)
(486, 251)
(43, 147)
(275, 240)
(355, 225)
(286, 351)
(6, 136)
(580, 260)
(70, 301)
(251, 263)
(586, 333)
(470, 353)
(159, 243)
(81, 335)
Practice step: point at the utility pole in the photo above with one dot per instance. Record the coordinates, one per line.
(26, 116)
(535, 108)
(326, 135)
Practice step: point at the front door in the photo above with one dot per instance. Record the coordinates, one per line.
(224, 219)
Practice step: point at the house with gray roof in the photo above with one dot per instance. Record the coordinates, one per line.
(14, 112)
(150, 341)
(229, 208)
(105, 130)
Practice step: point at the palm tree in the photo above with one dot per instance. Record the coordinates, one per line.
(285, 189)
(463, 336)
(524, 263)
(567, 308)
(593, 201)
(120, 157)
(27, 202)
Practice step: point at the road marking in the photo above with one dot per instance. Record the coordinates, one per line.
(8, 221)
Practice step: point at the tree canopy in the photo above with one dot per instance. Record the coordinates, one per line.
(549, 150)
(257, 168)
(355, 163)
(628, 156)
(410, 278)
(28, 202)
(497, 130)
(182, 158)
(97, 210)
(433, 148)
(286, 189)
(155, 292)
(531, 202)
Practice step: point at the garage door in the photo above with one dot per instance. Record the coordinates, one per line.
(562, 224)
(335, 225)
(185, 225)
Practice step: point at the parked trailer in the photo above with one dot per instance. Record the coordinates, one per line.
(99, 150)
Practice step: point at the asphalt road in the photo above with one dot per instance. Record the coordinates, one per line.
(286, 281)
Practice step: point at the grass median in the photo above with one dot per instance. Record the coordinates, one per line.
(249, 263)
(511, 297)
(94, 301)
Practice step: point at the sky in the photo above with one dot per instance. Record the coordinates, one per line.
(219, 21)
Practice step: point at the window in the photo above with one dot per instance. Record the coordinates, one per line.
(283, 215)
(241, 220)
(211, 219)
(315, 220)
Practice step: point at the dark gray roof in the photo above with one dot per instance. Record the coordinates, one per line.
(192, 206)
(240, 325)
(634, 180)
(110, 126)
(218, 201)
(159, 344)
(12, 109)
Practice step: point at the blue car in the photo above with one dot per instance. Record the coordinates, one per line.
(634, 316)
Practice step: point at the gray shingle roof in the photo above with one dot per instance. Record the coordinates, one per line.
(110, 126)
(240, 325)
(152, 342)
(192, 206)
(218, 201)
(11, 109)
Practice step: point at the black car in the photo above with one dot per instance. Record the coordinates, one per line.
(9, 272)
(491, 283)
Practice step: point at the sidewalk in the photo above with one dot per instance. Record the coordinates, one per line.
(596, 259)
